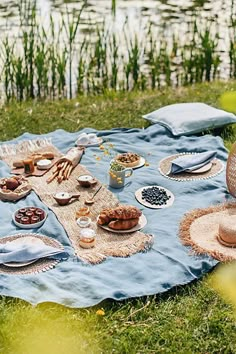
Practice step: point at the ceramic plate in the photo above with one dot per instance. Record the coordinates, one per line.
(99, 142)
(141, 163)
(142, 222)
(24, 240)
(202, 169)
(138, 195)
(28, 226)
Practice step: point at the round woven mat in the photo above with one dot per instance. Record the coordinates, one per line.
(42, 265)
(165, 165)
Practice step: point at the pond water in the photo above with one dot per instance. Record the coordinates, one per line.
(169, 20)
(171, 14)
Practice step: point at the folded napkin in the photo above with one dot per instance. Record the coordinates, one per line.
(192, 162)
(21, 253)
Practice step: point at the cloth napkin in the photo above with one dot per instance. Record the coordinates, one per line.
(21, 253)
(191, 163)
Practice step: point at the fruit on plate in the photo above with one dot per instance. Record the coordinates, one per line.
(29, 215)
(128, 159)
(12, 183)
(14, 188)
(123, 217)
(155, 196)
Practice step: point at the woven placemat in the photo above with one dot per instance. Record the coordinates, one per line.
(165, 166)
(42, 265)
(107, 243)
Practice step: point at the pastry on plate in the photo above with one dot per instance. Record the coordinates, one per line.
(14, 188)
(123, 217)
(128, 159)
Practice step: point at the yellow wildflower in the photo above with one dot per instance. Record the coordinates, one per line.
(100, 312)
(101, 147)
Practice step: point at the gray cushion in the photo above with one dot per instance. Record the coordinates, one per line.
(190, 118)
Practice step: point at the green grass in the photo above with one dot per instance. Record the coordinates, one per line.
(189, 319)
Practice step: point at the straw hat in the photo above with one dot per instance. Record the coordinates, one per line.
(211, 231)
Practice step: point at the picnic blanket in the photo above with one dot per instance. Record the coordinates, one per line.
(76, 284)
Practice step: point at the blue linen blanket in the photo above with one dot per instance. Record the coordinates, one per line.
(169, 263)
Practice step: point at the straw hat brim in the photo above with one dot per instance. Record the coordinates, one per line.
(199, 229)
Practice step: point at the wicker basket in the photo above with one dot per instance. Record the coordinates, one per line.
(231, 171)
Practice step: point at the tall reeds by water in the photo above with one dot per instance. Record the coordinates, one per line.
(59, 62)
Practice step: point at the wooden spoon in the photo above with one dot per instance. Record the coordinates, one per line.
(91, 201)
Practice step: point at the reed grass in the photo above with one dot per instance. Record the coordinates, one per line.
(59, 61)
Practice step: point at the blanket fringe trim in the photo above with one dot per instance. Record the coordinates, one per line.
(125, 251)
(24, 147)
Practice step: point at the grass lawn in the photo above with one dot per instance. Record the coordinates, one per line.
(189, 319)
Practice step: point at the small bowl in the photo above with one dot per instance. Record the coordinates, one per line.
(86, 180)
(83, 221)
(63, 198)
(29, 226)
(44, 164)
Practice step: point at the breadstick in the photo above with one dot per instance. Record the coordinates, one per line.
(50, 179)
(69, 171)
(61, 170)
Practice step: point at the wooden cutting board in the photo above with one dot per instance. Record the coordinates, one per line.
(36, 173)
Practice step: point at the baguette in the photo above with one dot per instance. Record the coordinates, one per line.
(123, 224)
(18, 164)
(48, 155)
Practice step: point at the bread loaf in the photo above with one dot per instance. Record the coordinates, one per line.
(103, 218)
(18, 164)
(124, 212)
(48, 155)
(123, 224)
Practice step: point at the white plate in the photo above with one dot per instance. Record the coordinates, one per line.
(29, 226)
(24, 240)
(141, 163)
(99, 142)
(142, 222)
(202, 169)
(138, 195)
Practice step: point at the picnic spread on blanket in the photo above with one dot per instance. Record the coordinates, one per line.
(94, 215)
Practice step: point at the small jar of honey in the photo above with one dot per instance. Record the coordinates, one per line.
(28, 166)
(83, 211)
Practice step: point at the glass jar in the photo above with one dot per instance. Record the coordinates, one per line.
(28, 166)
(87, 238)
(83, 211)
